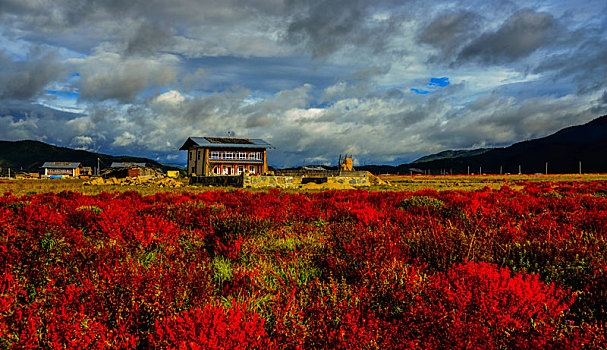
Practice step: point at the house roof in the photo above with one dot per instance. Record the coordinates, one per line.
(61, 165)
(127, 165)
(210, 141)
(314, 168)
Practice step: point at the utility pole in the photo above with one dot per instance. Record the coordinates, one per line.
(580, 167)
(98, 168)
(546, 168)
(519, 169)
(480, 170)
(9, 173)
(468, 169)
(500, 170)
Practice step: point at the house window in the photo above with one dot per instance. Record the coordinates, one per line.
(215, 155)
(242, 155)
(199, 152)
(191, 154)
(228, 155)
(240, 169)
(253, 170)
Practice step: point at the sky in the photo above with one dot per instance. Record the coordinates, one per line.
(386, 81)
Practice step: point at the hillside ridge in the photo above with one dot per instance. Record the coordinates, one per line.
(565, 151)
(30, 155)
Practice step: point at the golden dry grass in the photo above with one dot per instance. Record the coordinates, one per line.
(475, 182)
(398, 183)
(32, 186)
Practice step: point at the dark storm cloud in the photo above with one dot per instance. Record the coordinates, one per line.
(59, 14)
(522, 34)
(109, 76)
(26, 121)
(150, 37)
(82, 25)
(23, 80)
(277, 74)
(450, 31)
(585, 61)
(325, 26)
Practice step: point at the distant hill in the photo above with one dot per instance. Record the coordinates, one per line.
(563, 151)
(30, 155)
(450, 154)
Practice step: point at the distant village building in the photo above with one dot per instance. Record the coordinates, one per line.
(87, 170)
(72, 169)
(121, 170)
(127, 165)
(208, 156)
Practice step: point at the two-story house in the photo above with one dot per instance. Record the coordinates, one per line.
(208, 156)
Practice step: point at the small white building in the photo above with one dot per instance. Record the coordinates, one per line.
(71, 169)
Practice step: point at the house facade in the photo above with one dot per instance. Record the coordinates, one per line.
(71, 169)
(209, 156)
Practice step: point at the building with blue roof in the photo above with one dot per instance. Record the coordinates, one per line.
(71, 169)
(209, 156)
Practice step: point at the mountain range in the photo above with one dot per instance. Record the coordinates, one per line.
(30, 155)
(566, 151)
(581, 148)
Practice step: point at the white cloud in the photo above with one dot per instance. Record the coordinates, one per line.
(170, 97)
(125, 139)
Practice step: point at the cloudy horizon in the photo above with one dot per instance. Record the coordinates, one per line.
(387, 81)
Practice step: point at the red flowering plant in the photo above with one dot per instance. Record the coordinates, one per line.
(344, 269)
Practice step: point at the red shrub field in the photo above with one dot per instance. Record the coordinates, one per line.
(337, 269)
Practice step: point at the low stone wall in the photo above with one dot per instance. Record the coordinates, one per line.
(262, 181)
(350, 180)
(297, 181)
(272, 181)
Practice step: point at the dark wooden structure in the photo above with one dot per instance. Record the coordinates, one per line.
(225, 156)
(122, 170)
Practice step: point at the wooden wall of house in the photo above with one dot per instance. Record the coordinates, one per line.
(196, 161)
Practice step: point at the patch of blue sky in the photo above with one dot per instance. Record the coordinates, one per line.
(432, 85)
(420, 92)
(63, 94)
(440, 82)
(62, 100)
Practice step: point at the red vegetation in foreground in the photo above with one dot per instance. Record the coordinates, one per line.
(355, 269)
